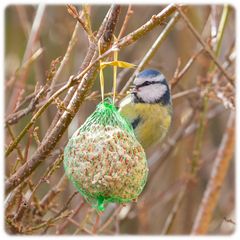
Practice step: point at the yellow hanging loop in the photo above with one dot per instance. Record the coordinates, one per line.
(115, 59)
(115, 75)
(101, 73)
(115, 63)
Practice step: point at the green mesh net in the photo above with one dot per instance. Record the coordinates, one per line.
(104, 160)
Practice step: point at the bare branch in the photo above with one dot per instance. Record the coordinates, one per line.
(205, 46)
(127, 17)
(219, 170)
(152, 51)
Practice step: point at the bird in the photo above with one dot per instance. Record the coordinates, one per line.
(148, 107)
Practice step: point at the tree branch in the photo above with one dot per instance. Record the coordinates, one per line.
(205, 46)
(219, 170)
(51, 140)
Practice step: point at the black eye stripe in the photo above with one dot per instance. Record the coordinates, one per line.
(148, 83)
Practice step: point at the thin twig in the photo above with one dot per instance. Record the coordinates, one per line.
(14, 198)
(205, 46)
(20, 71)
(62, 227)
(152, 51)
(45, 177)
(22, 14)
(172, 214)
(229, 220)
(48, 198)
(74, 13)
(95, 226)
(219, 170)
(59, 213)
(86, 14)
(28, 52)
(36, 116)
(48, 223)
(187, 66)
(110, 219)
(185, 93)
(13, 118)
(166, 195)
(126, 19)
(75, 223)
(65, 59)
(84, 221)
(155, 21)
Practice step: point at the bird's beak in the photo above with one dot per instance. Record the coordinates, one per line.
(134, 90)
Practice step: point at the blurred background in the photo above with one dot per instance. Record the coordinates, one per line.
(28, 57)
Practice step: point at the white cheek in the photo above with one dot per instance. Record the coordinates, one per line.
(152, 92)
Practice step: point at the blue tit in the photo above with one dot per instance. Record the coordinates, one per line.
(148, 107)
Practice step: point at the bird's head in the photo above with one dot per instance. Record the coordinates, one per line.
(150, 86)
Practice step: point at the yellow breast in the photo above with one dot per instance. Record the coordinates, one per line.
(154, 121)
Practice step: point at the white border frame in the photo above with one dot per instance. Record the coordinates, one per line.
(5, 3)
